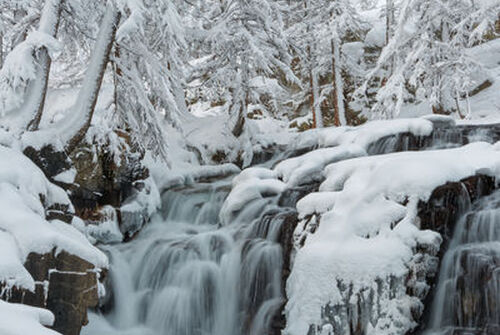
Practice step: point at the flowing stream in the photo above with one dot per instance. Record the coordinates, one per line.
(186, 275)
(467, 300)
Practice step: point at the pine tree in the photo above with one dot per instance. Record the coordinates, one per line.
(319, 30)
(243, 43)
(428, 55)
(24, 76)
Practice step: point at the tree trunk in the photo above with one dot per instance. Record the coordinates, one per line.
(117, 73)
(240, 122)
(389, 22)
(446, 96)
(87, 98)
(316, 103)
(311, 84)
(1, 50)
(338, 87)
(336, 117)
(243, 95)
(49, 24)
(389, 19)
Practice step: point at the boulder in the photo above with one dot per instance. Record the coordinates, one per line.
(66, 284)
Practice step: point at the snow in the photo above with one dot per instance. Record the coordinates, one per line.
(49, 18)
(186, 174)
(365, 134)
(335, 144)
(252, 184)
(307, 168)
(74, 119)
(19, 69)
(23, 226)
(485, 105)
(441, 119)
(17, 319)
(376, 36)
(67, 176)
(368, 230)
(13, 272)
(107, 231)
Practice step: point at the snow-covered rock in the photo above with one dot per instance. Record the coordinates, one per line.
(252, 184)
(363, 245)
(363, 135)
(361, 259)
(25, 193)
(43, 261)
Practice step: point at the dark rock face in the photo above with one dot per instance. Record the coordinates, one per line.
(101, 181)
(49, 160)
(448, 202)
(441, 213)
(65, 284)
(443, 136)
(285, 239)
(291, 196)
(101, 178)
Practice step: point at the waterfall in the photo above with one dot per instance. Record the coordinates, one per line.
(467, 300)
(442, 137)
(185, 274)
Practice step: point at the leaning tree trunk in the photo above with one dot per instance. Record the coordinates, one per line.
(37, 90)
(317, 120)
(87, 98)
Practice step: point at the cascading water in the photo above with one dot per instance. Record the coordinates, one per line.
(442, 137)
(185, 274)
(467, 301)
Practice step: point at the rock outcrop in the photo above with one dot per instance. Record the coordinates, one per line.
(66, 284)
(97, 181)
(441, 213)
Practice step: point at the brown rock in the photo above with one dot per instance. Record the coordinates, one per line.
(66, 284)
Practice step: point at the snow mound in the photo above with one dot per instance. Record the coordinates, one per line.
(187, 174)
(366, 234)
(19, 69)
(18, 319)
(25, 193)
(309, 167)
(335, 143)
(365, 134)
(252, 184)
